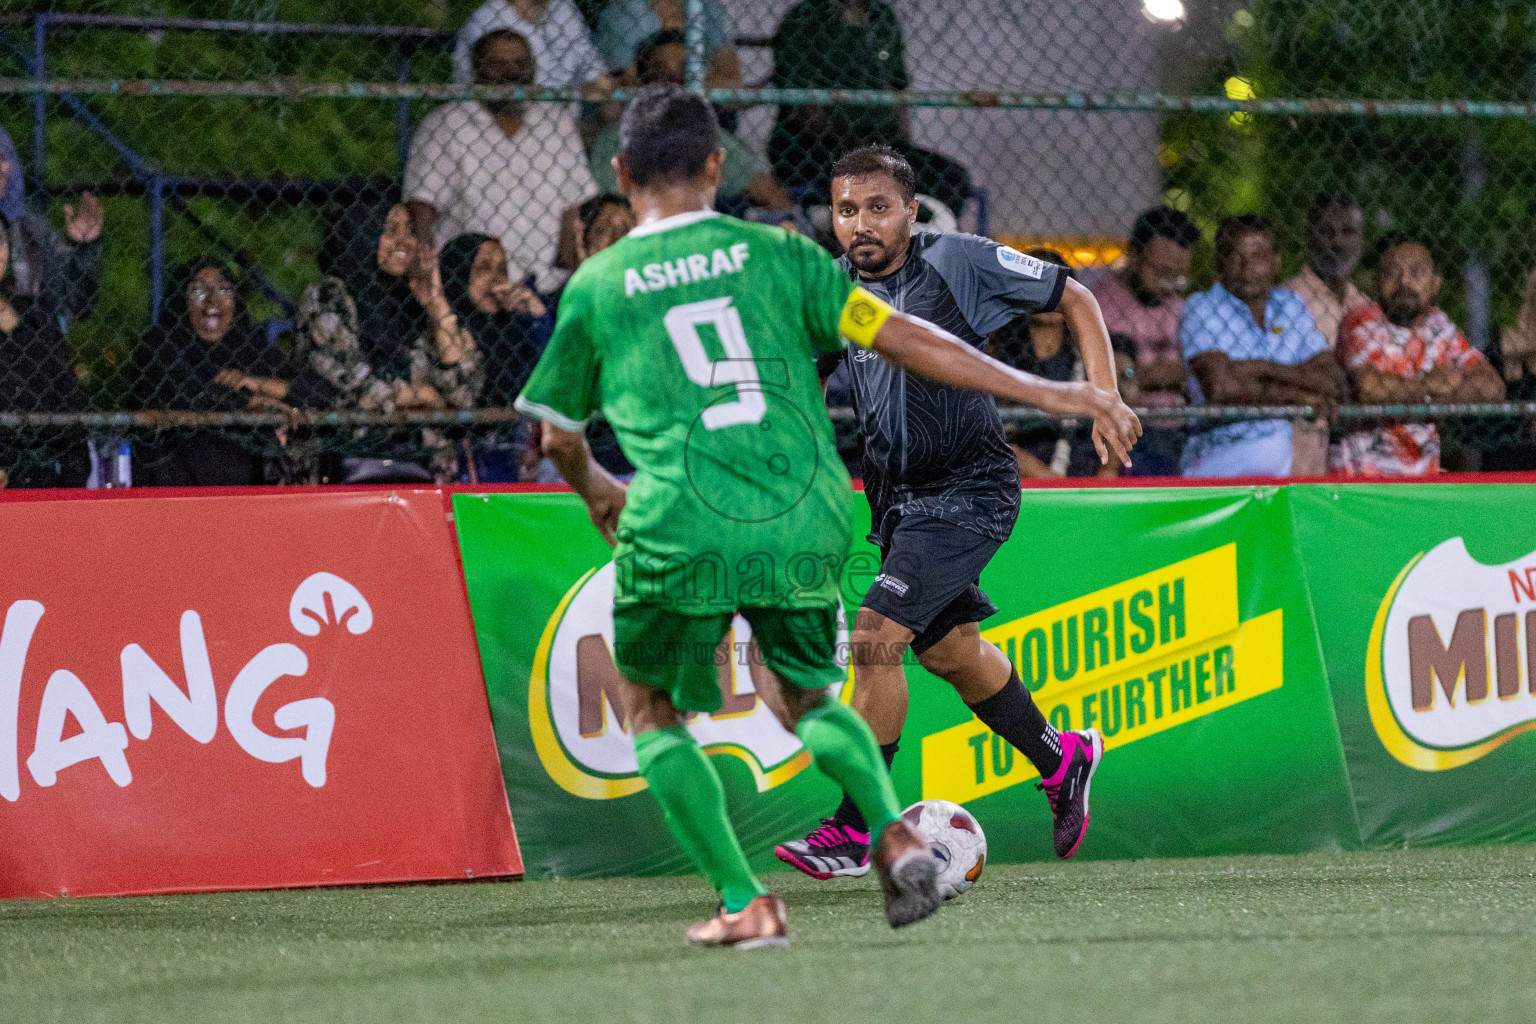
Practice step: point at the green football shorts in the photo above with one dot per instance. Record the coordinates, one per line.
(656, 646)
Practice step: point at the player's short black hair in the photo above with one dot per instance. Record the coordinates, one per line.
(666, 134)
(1163, 222)
(1232, 228)
(593, 208)
(477, 51)
(1337, 199)
(646, 52)
(878, 160)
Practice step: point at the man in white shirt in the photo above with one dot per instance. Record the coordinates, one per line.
(556, 33)
(502, 168)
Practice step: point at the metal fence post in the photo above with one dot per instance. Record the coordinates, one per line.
(695, 39)
(156, 245)
(403, 107)
(39, 102)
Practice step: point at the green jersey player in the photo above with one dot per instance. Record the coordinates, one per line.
(696, 337)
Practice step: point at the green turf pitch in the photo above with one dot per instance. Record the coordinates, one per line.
(1442, 935)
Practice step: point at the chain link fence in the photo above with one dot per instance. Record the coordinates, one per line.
(221, 217)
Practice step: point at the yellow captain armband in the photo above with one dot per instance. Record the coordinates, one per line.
(863, 314)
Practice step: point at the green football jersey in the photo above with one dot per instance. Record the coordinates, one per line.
(697, 337)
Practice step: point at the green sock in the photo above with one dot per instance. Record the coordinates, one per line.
(693, 802)
(846, 750)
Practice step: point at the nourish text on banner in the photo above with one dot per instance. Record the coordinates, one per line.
(1132, 660)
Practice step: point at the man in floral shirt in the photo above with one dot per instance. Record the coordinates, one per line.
(1403, 349)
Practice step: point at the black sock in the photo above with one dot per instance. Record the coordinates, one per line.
(1012, 713)
(847, 814)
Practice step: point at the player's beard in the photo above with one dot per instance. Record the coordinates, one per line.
(873, 261)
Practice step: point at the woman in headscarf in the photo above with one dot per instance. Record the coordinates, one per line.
(37, 374)
(373, 255)
(497, 315)
(205, 355)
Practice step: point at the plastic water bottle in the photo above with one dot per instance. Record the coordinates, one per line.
(124, 475)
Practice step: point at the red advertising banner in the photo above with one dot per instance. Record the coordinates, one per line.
(241, 691)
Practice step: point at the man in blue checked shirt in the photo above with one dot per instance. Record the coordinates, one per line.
(1250, 343)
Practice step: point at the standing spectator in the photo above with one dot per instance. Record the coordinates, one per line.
(1142, 301)
(1335, 240)
(36, 375)
(505, 169)
(205, 355)
(62, 272)
(1403, 349)
(556, 34)
(664, 58)
(848, 44)
(1250, 343)
(624, 25)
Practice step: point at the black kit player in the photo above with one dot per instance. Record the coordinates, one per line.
(943, 491)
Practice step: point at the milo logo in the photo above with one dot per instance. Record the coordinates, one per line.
(1448, 670)
(576, 703)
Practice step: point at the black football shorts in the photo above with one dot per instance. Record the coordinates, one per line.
(929, 575)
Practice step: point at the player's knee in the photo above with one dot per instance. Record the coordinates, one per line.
(797, 703)
(649, 708)
(877, 640)
(944, 662)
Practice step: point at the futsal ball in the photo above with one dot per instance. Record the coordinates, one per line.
(956, 839)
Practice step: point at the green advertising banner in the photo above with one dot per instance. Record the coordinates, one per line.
(1176, 621)
(1425, 600)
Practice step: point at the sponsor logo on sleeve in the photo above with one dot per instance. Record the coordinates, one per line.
(1024, 266)
(1448, 669)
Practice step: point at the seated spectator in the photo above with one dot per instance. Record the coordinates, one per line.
(504, 169)
(479, 352)
(625, 25)
(1335, 240)
(605, 219)
(1403, 349)
(37, 374)
(848, 44)
(494, 313)
(375, 256)
(204, 355)
(61, 272)
(555, 31)
(664, 58)
(1141, 302)
(1517, 344)
(1250, 343)
(1049, 449)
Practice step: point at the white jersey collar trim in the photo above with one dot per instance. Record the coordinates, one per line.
(677, 220)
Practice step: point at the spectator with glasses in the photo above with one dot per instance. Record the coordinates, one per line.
(1142, 301)
(205, 355)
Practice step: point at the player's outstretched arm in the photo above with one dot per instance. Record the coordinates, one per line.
(919, 346)
(572, 456)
